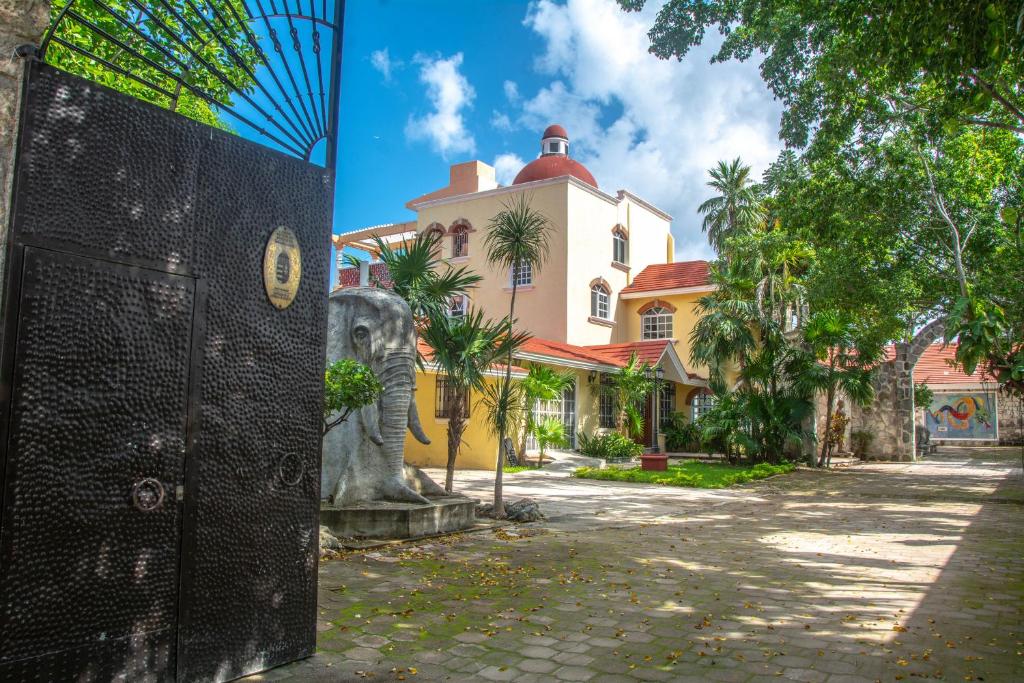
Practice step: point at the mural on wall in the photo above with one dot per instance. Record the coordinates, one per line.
(966, 415)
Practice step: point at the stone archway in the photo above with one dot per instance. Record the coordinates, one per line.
(890, 417)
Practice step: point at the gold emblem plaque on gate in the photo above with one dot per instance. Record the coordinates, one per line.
(282, 267)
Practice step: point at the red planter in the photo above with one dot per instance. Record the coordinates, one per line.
(654, 462)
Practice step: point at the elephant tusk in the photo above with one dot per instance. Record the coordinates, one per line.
(371, 423)
(414, 422)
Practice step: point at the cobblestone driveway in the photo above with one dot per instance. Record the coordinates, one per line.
(873, 572)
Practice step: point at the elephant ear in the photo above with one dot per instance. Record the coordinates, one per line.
(414, 423)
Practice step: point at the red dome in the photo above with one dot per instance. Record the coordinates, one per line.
(553, 166)
(555, 131)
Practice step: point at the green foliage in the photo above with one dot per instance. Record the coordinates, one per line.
(737, 210)
(611, 447)
(464, 349)
(681, 435)
(238, 71)
(630, 385)
(542, 383)
(841, 67)
(985, 338)
(348, 386)
(550, 432)
(420, 276)
(689, 474)
(923, 396)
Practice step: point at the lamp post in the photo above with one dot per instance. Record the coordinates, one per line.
(659, 375)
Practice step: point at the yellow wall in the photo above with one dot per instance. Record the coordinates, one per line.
(537, 307)
(479, 447)
(557, 306)
(683, 321)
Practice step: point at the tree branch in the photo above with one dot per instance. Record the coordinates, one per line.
(995, 124)
(991, 90)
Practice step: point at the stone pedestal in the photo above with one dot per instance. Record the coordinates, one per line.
(387, 520)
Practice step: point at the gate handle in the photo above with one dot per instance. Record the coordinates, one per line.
(148, 494)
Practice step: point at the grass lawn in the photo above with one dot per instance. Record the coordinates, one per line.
(701, 475)
(512, 469)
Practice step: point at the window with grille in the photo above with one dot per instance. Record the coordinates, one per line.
(460, 243)
(562, 409)
(700, 404)
(606, 404)
(522, 275)
(666, 403)
(443, 396)
(599, 301)
(458, 306)
(657, 323)
(620, 247)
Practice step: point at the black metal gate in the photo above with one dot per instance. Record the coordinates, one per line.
(159, 415)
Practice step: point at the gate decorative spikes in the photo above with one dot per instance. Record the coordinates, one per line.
(272, 66)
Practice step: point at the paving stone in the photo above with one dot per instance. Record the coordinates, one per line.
(574, 673)
(538, 666)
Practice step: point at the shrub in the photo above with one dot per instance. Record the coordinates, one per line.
(681, 434)
(609, 447)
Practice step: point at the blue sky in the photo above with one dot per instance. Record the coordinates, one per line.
(428, 84)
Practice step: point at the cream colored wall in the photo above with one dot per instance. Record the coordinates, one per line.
(683, 321)
(539, 308)
(591, 220)
(479, 447)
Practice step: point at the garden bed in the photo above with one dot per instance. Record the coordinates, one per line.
(703, 475)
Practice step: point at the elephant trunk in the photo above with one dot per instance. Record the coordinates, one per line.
(396, 376)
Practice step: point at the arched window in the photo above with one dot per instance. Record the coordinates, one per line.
(460, 241)
(702, 402)
(657, 323)
(435, 231)
(599, 300)
(620, 247)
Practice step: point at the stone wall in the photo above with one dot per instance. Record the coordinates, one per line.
(890, 418)
(21, 22)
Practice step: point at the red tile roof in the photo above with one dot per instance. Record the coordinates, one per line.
(646, 351)
(934, 367)
(670, 276)
(349, 277)
(428, 354)
(547, 347)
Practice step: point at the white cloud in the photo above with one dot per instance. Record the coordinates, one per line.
(506, 166)
(644, 124)
(381, 61)
(511, 91)
(501, 121)
(449, 92)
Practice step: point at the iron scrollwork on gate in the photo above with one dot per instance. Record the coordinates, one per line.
(271, 67)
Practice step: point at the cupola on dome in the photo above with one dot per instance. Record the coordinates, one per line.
(554, 160)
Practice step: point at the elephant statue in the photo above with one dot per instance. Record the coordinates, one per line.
(363, 458)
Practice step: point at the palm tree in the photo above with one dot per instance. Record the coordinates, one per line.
(844, 361)
(724, 333)
(736, 210)
(543, 383)
(464, 349)
(516, 238)
(550, 432)
(426, 282)
(631, 385)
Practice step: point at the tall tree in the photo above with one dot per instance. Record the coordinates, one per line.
(736, 210)
(839, 66)
(215, 26)
(464, 349)
(517, 238)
